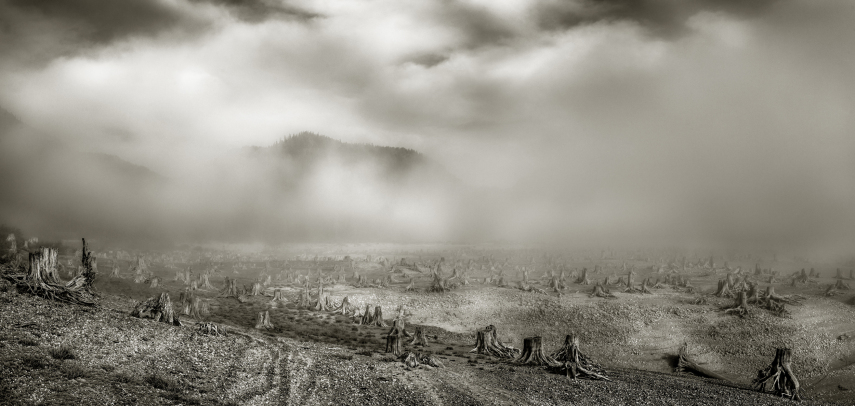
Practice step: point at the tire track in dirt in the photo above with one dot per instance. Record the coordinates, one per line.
(297, 369)
(463, 382)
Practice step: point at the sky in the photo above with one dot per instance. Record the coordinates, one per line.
(596, 120)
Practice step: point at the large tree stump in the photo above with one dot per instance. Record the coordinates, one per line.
(740, 306)
(411, 360)
(778, 378)
(257, 288)
(487, 342)
(393, 344)
(263, 320)
(205, 281)
(153, 282)
(277, 298)
(532, 353)
(686, 363)
(42, 278)
(575, 364)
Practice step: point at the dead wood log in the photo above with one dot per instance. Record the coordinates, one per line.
(574, 363)
(410, 359)
(778, 378)
(740, 306)
(429, 360)
(211, 329)
(263, 320)
(532, 353)
(393, 344)
(685, 363)
(601, 291)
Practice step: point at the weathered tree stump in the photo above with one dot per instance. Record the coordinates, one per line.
(157, 308)
(427, 359)
(411, 360)
(419, 338)
(263, 320)
(487, 342)
(153, 282)
(583, 280)
(779, 378)
(278, 297)
(256, 288)
(740, 306)
(575, 364)
(377, 318)
(684, 363)
(393, 344)
(723, 289)
(532, 353)
(205, 281)
(601, 291)
(367, 317)
(42, 278)
(343, 308)
(230, 289)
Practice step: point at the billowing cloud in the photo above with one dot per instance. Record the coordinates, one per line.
(666, 120)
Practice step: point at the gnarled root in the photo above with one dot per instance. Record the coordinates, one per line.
(778, 378)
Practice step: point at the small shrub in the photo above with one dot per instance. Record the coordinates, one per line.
(62, 353)
(160, 382)
(108, 368)
(124, 378)
(28, 342)
(33, 362)
(74, 371)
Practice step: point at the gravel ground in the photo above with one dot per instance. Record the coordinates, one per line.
(117, 355)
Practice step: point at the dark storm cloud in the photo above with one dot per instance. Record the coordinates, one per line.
(103, 21)
(478, 25)
(262, 10)
(666, 18)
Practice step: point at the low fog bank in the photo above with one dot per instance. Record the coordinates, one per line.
(315, 189)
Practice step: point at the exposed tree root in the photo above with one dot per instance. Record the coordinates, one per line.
(686, 363)
(487, 342)
(601, 291)
(574, 363)
(740, 306)
(212, 329)
(778, 378)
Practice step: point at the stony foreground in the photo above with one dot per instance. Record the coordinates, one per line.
(118, 359)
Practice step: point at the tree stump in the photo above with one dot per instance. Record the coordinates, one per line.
(601, 291)
(487, 342)
(158, 308)
(153, 282)
(575, 364)
(367, 317)
(532, 353)
(740, 306)
(256, 288)
(778, 378)
(278, 297)
(377, 318)
(393, 344)
(42, 278)
(723, 289)
(419, 338)
(411, 360)
(583, 280)
(343, 308)
(230, 290)
(684, 363)
(263, 320)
